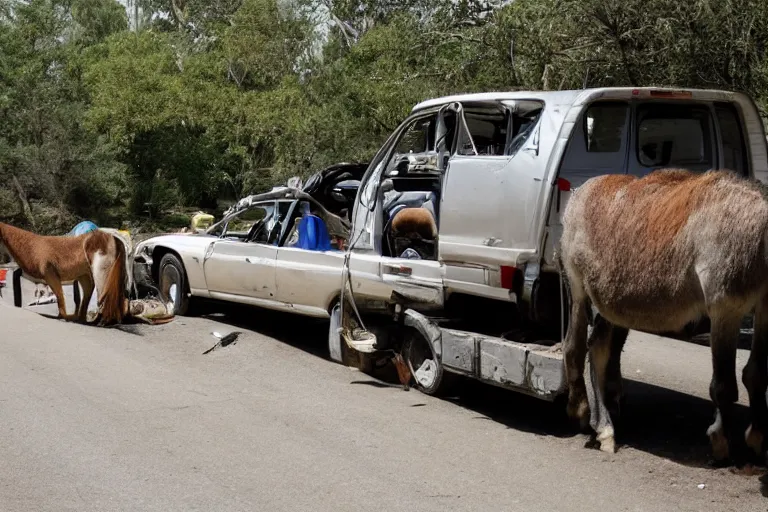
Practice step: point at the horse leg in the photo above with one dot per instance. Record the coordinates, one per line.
(600, 341)
(53, 280)
(100, 266)
(723, 389)
(755, 379)
(87, 283)
(614, 389)
(574, 355)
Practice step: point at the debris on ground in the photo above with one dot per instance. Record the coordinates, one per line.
(43, 295)
(224, 341)
(403, 372)
(150, 311)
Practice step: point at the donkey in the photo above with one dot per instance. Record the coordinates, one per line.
(97, 258)
(653, 254)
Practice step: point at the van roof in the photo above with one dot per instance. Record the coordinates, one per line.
(576, 96)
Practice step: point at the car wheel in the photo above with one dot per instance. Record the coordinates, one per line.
(335, 348)
(426, 369)
(173, 283)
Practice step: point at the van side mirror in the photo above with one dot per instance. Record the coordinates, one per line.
(422, 163)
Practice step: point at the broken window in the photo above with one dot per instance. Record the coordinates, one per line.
(495, 130)
(488, 131)
(417, 139)
(249, 221)
(670, 135)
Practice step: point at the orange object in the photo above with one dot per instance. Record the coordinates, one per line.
(3, 273)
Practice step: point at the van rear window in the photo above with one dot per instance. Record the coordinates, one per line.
(734, 150)
(670, 135)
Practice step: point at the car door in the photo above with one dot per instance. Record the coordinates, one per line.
(371, 274)
(490, 185)
(306, 279)
(241, 263)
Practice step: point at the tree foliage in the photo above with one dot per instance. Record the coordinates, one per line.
(212, 99)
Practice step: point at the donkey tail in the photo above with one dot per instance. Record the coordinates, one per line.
(113, 298)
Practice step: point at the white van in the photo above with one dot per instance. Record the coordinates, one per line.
(483, 297)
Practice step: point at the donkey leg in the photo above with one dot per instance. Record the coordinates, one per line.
(574, 355)
(87, 283)
(723, 389)
(614, 389)
(600, 341)
(755, 378)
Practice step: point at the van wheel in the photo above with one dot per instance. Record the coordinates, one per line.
(173, 283)
(427, 371)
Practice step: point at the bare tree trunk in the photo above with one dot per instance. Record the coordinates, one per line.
(24, 202)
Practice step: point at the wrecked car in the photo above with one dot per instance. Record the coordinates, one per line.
(260, 253)
(264, 252)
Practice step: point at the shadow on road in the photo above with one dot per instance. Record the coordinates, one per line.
(656, 420)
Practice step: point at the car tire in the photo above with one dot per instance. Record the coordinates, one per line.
(172, 283)
(416, 350)
(339, 351)
(335, 342)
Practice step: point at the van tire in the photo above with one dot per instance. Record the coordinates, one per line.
(441, 383)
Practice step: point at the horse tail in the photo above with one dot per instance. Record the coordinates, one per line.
(113, 305)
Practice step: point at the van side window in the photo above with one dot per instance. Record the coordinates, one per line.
(734, 152)
(417, 138)
(674, 135)
(496, 130)
(605, 127)
(488, 130)
(598, 143)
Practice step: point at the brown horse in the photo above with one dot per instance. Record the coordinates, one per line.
(653, 254)
(93, 259)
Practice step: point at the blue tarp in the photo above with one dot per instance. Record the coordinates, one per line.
(84, 227)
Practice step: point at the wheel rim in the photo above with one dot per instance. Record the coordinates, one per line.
(421, 361)
(169, 285)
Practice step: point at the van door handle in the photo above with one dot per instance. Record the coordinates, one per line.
(398, 270)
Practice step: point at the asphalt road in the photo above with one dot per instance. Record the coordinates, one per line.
(95, 419)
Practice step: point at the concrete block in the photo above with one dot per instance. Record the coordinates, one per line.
(546, 372)
(459, 351)
(503, 362)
